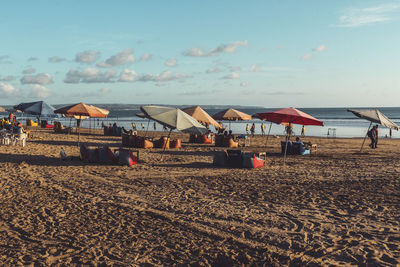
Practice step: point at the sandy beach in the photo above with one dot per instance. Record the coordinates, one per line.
(335, 207)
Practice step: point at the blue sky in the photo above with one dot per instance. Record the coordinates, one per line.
(266, 53)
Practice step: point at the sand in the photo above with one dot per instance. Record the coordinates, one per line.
(337, 207)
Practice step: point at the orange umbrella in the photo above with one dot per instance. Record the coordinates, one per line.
(201, 116)
(81, 110)
(231, 114)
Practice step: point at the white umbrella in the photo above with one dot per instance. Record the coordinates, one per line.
(174, 118)
(373, 115)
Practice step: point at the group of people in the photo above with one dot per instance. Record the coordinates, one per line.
(373, 135)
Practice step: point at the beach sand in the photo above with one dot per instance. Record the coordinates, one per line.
(338, 206)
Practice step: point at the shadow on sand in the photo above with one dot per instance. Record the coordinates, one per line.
(38, 160)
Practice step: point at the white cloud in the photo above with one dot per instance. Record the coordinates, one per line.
(232, 76)
(121, 58)
(127, 76)
(229, 48)
(224, 48)
(196, 52)
(171, 62)
(244, 84)
(164, 76)
(255, 68)
(87, 56)
(357, 17)
(8, 90)
(307, 57)
(39, 91)
(213, 70)
(319, 48)
(41, 78)
(146, 57)
(29, 71)
(56, 59)
(90, 75)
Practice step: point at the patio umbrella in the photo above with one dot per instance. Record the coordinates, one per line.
(291, 116)
(201, 116)
(231, 114)
(81, 110)
(174, 118)
(38, 108)
(374, 116)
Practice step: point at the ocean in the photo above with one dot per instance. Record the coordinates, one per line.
(337, 121)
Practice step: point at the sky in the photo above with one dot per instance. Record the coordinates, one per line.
(314, 53)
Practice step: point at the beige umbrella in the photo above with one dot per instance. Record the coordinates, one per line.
(200, 115)
(231, 114)
(2, 109)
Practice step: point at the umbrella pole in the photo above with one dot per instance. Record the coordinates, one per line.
(78, 130)
(266, 142)
(165, 145)
(286, 145)
(365, 137)
(147, 128)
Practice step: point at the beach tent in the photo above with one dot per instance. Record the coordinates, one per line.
(38, 108)
(290, 116)
(200, 115)
(374, 116)
(231, 114)
(82, 110)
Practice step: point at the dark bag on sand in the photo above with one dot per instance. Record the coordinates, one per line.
(369, 133)
(126, 157)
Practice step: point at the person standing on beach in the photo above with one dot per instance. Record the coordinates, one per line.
(376, 136)
(262, 129)
(372, 135)
(247, 128)
(155, 126)
(253, 129)
(142, 126)
(390, 133)
(303, 131)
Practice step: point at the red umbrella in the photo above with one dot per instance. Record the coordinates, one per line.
(288, 115)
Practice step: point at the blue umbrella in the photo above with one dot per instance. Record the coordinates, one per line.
(38, 108)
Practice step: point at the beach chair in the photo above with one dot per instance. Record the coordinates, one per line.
(19, 138)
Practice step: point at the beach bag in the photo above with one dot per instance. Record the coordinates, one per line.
(257, 162)
(235, 158)
(220, 158)
(369, 133)
(126, 157)
(106, 156)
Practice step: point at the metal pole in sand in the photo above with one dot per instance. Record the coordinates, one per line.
(365, 137)
(165, 145)
(287, 141)
(266, 142)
